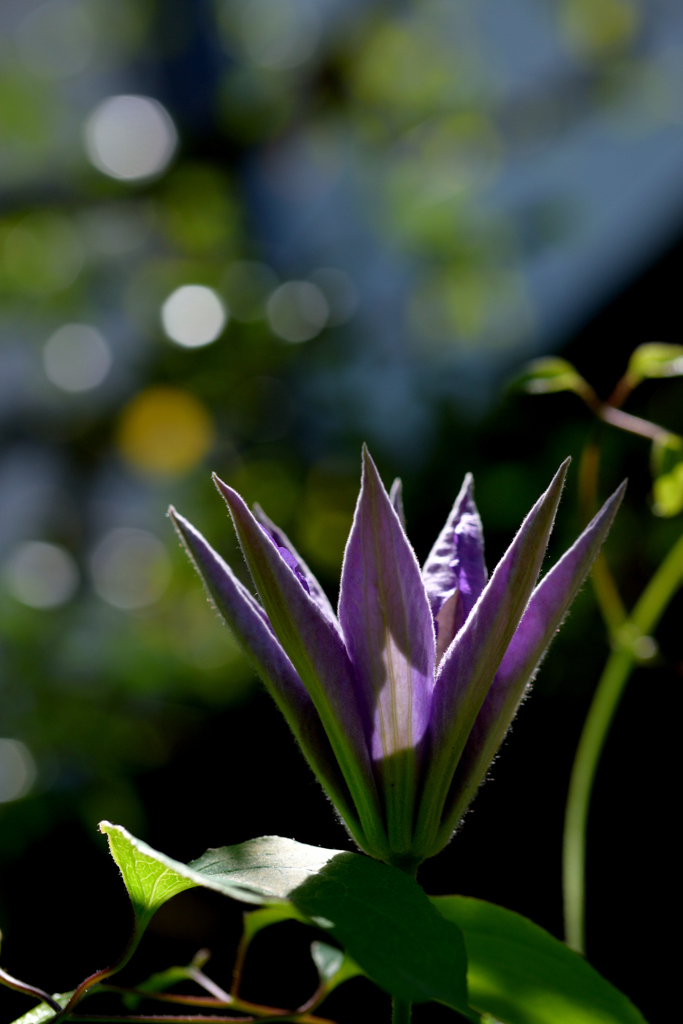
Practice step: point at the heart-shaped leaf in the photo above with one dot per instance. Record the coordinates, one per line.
(520, 974)
(380, 915)
(261, 870)
(409, 945)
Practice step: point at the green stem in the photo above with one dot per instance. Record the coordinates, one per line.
(655, 598)
(643, 620)
(596, 727)
(401, 1011)
(28, 990)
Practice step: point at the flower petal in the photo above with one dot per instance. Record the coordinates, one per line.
(455, 571)
(541, 620)
(249, 623)
(318, 654)
(389, 634)
(471, 662)
(283, 541)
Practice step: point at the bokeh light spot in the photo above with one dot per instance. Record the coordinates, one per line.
(193, 315)
(297, 311)
(280, 34)
(130, 568)
(41, 575)
(165, 431)
(130, 137)
(76, 358)
(17, 770)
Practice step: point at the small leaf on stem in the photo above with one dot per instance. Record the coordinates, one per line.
(667, 470)
(543, 376)
(655, 359)
(264, 870)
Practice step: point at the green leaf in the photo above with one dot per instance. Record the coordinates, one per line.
(261, 870)
(163, 980)
(380, 915)
(43, 1012)
(327, 959)
(543, 376)
(385, 922)
(333, 966)
(667, 470)
(259, 919)
(655, 359)
(151, 878)
(156, 983)
(520, 974)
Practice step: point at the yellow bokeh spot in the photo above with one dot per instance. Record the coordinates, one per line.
(165, 432)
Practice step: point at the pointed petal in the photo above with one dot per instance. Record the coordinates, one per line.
(318, 654)
(283, 541)
(250, 625)
(389, 634)
(456, 563)
(471, 662)
(396, 499)
(543, 617)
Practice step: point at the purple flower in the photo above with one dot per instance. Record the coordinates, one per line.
(401, 701)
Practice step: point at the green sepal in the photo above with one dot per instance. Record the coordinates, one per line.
(520, 974)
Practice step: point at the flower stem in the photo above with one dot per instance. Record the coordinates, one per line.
(593, 736)
(620, 664)
(401, 1011)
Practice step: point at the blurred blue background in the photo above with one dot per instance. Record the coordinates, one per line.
(244, 236)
